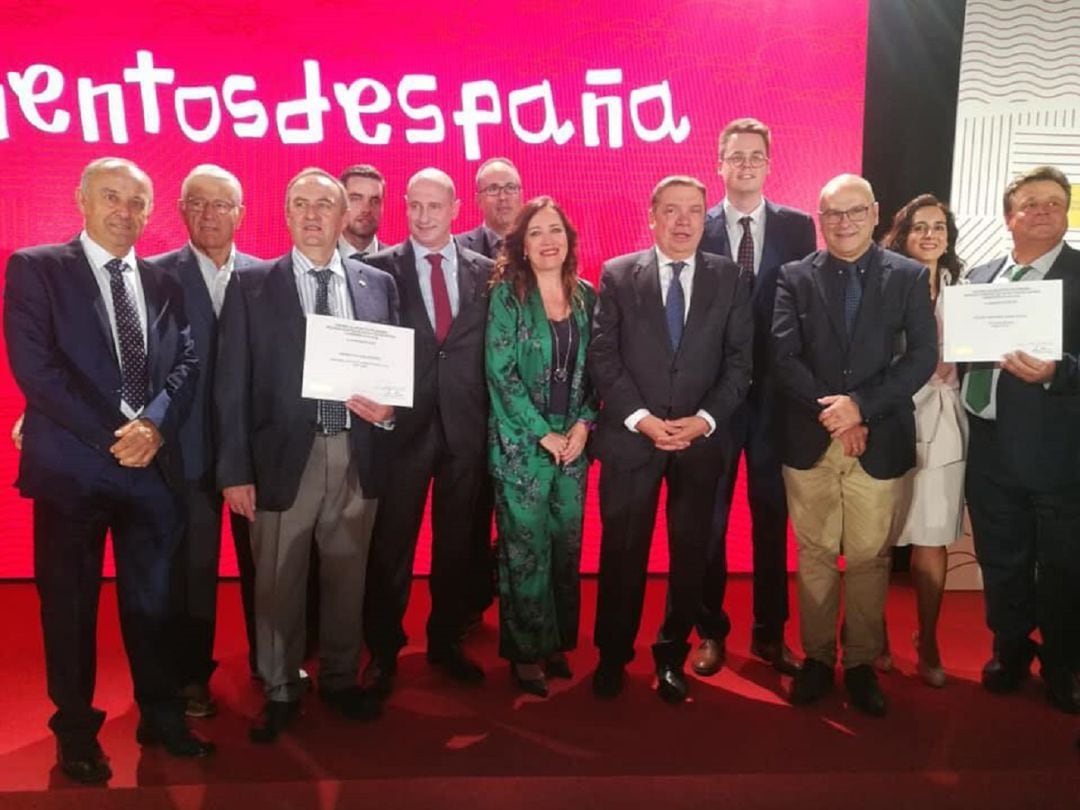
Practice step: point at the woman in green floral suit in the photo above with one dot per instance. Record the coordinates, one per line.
(541, 409)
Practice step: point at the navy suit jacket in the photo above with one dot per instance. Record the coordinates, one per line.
(892, 352)
(477, 240)
(265, 429)
(196, 433)
(63, 355)
(1037, 433)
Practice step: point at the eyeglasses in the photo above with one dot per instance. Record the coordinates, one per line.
(755, 160)
(924, 228)
(855, 215)
(197, 205)
(494, 190)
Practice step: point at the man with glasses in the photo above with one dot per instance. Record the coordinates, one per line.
(853, 337)
(212, 207)
(367, 190)
(759, 236)
(498, 193)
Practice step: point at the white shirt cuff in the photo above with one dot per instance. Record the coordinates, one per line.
(632, 420)
(708, 418)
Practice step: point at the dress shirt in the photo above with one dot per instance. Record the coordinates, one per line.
(98, 256)
(732, 215)
(450, 272)
(1039, 268)
(349, 251)
(216, 278)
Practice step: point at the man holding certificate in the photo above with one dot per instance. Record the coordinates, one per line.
(302, 468)
(1023, 475)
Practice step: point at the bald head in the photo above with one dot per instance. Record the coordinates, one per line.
(115, 197)
(431, 207)
(848, 215)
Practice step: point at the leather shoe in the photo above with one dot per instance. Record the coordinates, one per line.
(177, 739)
(671, 683)
(607, 681)
(863, 689)
(352, 703)
(558, 667)
(812, 682)
(709, 657)
(378, 677)
(1062, 690)
(529, 685)
(777, 654)
(277, 716)
(197, 700)
(453, 661)
(87, 765)
(1004, 674)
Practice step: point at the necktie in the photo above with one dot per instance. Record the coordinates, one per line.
(675, 308)
(745, 258)
(331, 415)
(852, 296)
(133, 378)
(444, 316)
(980, 381)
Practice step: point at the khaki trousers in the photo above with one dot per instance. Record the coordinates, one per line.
(837, 508)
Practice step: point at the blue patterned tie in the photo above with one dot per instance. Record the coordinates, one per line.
(331, 414)
(133, 378)
(852, 296)
(675, 308)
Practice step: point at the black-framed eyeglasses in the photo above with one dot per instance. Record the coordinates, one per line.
(755, 160)
(495, 189)
(856, 215)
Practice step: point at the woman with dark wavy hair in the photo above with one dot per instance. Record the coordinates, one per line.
(925, 230)
(538, 329)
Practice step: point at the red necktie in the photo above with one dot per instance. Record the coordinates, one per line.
(444, 316)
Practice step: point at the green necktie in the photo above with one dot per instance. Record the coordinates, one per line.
(981, 380)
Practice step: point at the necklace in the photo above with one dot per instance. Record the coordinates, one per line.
(562, 361)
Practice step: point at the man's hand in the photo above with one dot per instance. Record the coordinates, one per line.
(575, 442)
(661, 433)
(241, 500)
(686, 430)
(1027, 368)
(841, 413)
(139, 441)
(555, 444)
(854, 440)
(369, 410)
(16, 432)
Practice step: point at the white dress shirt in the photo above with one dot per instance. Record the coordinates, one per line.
(216, 278)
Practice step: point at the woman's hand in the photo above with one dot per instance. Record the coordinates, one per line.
(575, 442)
(555, 444)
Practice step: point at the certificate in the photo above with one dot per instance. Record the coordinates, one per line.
(983, 322)
(343, 357)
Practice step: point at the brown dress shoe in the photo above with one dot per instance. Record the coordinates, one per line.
(709, 657)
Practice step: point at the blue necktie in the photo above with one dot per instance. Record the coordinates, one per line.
(331, 415)
(852, 296)
(133, 377)
(675, 308)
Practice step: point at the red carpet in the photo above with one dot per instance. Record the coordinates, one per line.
(738, 744)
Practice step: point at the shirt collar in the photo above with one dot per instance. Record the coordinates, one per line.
(733, 214)
(302, 264)
(209, 264)
(99, 256)
(448, 251)
(1042, 264)
(665, 262)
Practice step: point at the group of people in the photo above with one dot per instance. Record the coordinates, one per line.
(160, 391)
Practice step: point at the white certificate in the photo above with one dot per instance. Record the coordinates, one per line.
(343, 357)
(983, 322)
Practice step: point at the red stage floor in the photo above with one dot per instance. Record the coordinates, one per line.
(736, 744)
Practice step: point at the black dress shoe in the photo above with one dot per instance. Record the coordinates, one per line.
(558, 667)
(530, 686)
(353, 703)
(1062, 690)
(812, 682)
(277, 716)
(709, 657)
(378, 677)
(176, 738)
(607, 681)
(86, 764)
(863, 689)
(671, 683)
(777, 654)
(1002, 675)
(453, 661)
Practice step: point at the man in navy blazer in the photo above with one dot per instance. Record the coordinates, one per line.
(760, 236)
(301, 469)
(212, 207)
(1023, 471)
(100, 347)
(499, 197)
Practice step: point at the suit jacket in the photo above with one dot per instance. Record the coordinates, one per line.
(477, 240)
(633, 366)
(196, 433)
(891, 353)
(63, 355)
(789, 236)
(1037, 429)
(265, 428)
(450, 382)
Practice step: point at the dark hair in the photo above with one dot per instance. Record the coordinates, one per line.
(675, 180)
(363, 170)
(512, 266)
(1051, 173)
(745, 125)
(897, 237)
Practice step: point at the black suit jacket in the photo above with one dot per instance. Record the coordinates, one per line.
(450, 384)
(478, 241)
(892, 352)
(1037, 429)
(265, 427)
(196, 433)
(62, 353)
(633, 366)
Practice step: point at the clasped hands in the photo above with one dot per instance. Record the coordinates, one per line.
(137, 443)
(843, 419)
(672, 434)
(566, 447)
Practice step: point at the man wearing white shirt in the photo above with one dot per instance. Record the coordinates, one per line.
(366, 188)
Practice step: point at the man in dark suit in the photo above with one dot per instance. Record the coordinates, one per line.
(498, 194)
(211, 205)
(440, 442)
(854, 337)
(671, 355)
(367, 192)
(100, 347)
(301, 469)
(760, 236)
(1023, 471)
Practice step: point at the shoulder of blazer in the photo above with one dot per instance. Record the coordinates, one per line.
(1068, 259)
(786, 213)
(628, 261)
(896, 261)
(369, 273)
(473, 257)
(984, 272)
(256, 273)
(717, 263)
(171, 260)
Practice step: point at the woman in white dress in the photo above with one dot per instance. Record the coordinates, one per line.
(925, 230)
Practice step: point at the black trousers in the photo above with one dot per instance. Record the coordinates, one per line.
(145, 519)
(456, 489)
(1028, 547)
(753, 432)
(628, 504)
